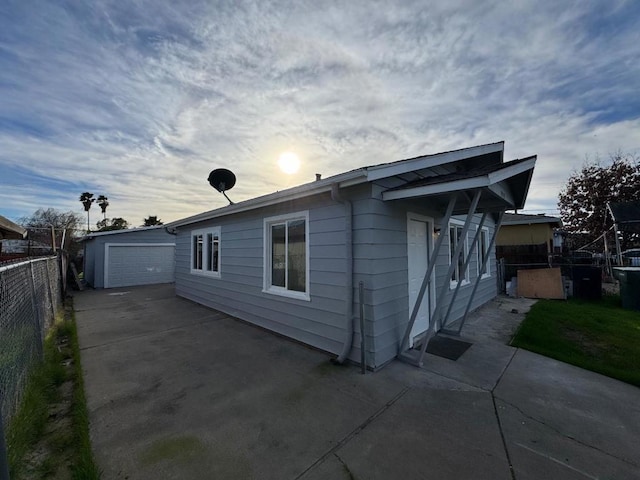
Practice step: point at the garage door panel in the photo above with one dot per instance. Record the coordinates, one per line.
(130, 265)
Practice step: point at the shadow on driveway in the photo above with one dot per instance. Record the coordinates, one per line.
(177, 390)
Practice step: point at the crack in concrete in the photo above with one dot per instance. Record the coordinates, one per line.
(207, 319)
(345, 466)
(564, 435)
(495, 411)
(354, 432)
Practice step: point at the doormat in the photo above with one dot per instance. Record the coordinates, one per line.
(447, 347)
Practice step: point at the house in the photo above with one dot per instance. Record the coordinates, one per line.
(10, 231)
(408, 231)
(519, 229)
(123, 258)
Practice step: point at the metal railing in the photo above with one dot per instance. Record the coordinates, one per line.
(30, 297)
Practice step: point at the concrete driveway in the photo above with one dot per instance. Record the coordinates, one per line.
(176, 390)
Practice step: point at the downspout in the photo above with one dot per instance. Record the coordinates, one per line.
(348, 241)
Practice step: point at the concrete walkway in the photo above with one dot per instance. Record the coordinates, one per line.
(176, 390)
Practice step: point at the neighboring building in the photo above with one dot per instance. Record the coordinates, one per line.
(9, 231)
(292, 261)
(519, 229)
(123, 258)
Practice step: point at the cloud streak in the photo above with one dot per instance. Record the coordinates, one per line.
(139, 101)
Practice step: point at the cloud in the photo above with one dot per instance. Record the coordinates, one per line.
(140, 100)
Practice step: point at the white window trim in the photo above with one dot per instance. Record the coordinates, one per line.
(465, 280)
(204, 232)
(266, 275)
(479, 257)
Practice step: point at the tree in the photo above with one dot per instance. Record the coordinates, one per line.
(42, 220)
(87, 199)
(109, 224)
(151, 221)
(583, 200)
(103, 202)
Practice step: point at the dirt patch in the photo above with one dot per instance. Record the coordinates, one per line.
(587, 344)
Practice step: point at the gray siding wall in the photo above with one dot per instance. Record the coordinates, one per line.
(382, 263)
(319, 322)
(94, 254)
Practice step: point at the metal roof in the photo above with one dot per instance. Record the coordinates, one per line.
(626, 215)
(522, 219)
(490, 154)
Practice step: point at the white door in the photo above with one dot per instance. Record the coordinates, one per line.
(418, 251)
(138, 264)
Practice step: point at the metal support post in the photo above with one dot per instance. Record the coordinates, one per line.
(363, 349)
(467, 260)
(484, 264)
(446, 282)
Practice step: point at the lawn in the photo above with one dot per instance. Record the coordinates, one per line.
(596, 335)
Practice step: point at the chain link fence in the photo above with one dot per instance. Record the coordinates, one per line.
(30, 297)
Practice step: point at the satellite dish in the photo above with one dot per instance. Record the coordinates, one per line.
(222, 180)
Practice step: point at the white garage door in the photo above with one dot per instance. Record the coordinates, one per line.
(131, 264)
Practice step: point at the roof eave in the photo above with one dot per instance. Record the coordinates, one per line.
(398, 168)
(347, 179)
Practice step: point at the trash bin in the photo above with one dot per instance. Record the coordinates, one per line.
(629, 278)
(587, 282)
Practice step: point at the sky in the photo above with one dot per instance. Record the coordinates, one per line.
(140, 100)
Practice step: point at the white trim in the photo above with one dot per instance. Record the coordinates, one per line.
(124, 230)
(105, 283)
(481, 181)
(267, 287)
(431, 292)
(465, 251)
(428, 161)
(479, 258)
(205, 257)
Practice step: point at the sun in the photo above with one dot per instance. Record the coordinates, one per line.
(289, 162)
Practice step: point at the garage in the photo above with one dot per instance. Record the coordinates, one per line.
(124, 258)
(131, 264)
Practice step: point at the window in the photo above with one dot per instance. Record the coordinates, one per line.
(455, 237)
(483, 243)
(205, 251)
(286, 254)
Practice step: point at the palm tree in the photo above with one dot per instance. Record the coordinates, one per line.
(87, 199)
(102, 201)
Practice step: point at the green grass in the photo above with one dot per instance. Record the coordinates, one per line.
(28, 425)
(84, 467)
(599, 336)
(28, 428)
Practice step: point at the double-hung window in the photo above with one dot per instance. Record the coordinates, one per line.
(205, 251)
(455, 237)
(286, 254)
(483, 243)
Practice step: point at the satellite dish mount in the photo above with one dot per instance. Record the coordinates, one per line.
(222, 180)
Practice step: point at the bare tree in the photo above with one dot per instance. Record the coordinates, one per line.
(583, 200)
